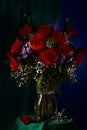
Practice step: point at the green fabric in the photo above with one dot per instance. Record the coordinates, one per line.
(45, 125)
(32, 126)
(16, 101)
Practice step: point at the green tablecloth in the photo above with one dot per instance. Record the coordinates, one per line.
(45, 125)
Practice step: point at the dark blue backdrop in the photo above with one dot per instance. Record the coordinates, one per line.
(74, 99)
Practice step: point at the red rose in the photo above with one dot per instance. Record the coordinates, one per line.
(71, 31)
(58, 37)
(48, 56)
(44, 29)
(64, 49)
(79, 55)
(25, 30)
(14, 63)
(15, 46)
(26, 119)
(37, 41)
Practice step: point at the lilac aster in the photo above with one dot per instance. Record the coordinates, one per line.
(28, 50)
(55, 26)
(62, 59)
(24, 56)
(23, 51)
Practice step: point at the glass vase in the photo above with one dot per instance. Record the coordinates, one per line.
(45, 105)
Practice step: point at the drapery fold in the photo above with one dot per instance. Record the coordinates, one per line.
(16, 101)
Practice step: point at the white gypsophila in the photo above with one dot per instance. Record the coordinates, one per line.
(20, 75)
(38, 68)
(49, 43)
(27, 44)
(71, 71)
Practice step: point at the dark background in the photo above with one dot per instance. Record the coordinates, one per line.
(15, 101)
(75, 98)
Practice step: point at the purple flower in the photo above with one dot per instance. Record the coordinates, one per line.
(23, 51)
(28, 50)
(62, 59)
(24, 56)
(55, 26)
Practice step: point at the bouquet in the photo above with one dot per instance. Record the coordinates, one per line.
(44, 53)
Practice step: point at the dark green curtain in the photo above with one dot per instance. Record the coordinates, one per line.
(16, 101)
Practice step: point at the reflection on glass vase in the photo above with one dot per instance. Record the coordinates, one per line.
(45, 105)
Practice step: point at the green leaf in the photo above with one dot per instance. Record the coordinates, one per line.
(67, 20)
(38, 83)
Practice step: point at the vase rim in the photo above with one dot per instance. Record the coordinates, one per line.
(46, 92)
